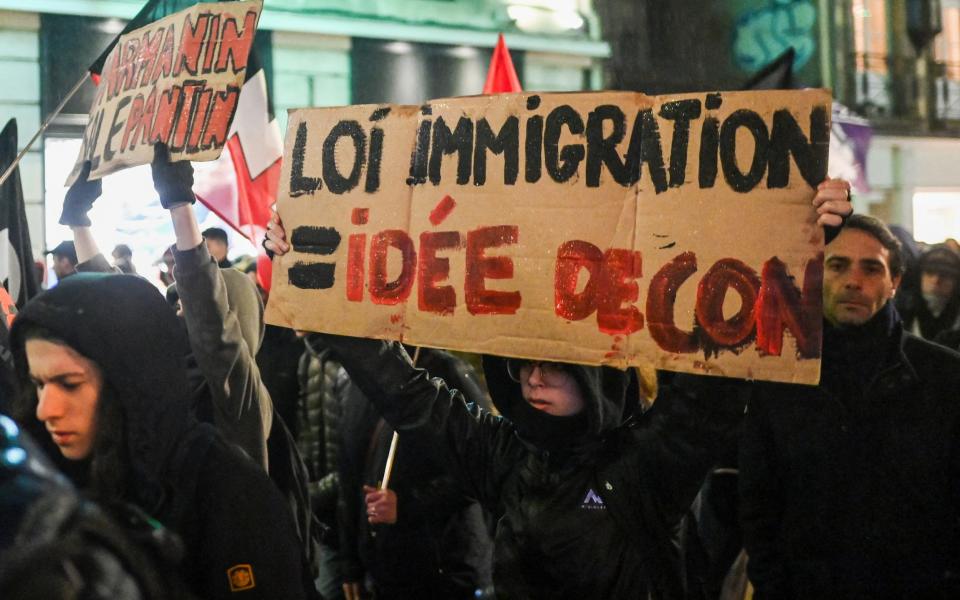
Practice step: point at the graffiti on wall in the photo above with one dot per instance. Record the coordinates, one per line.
(764, 33)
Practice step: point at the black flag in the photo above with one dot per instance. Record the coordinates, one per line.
(17, 270)
(16, 257)
(778, 75)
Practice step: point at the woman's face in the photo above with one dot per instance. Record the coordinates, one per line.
(550, 388)
(68, 390)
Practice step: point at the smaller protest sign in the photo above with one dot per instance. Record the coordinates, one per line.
(176, 81)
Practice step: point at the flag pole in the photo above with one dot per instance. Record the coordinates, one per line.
(393, 441)
(76, 87)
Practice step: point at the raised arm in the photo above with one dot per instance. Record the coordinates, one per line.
(76, 204)
(242, 407)
(479, 448)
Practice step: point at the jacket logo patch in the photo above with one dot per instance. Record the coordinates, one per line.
(592, 501)
(241, 578)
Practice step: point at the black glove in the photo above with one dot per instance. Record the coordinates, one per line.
(173, 181)
(79, 199)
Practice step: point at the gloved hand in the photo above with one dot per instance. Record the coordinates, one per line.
(79, 199)
(173, 181)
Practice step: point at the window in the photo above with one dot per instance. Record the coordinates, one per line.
(936, 215)
(871, 55)
(946, 47)
(870, 35)
(946, 51)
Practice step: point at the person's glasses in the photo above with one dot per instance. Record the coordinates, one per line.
(551, 373)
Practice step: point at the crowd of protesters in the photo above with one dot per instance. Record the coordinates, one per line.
(175, 447)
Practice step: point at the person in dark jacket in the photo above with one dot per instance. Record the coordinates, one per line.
(933, 309)
(587, 496)
(222, 310)
(849, 489)
(322, 391)
(421, 537)
(217, 244)
(224, 318)
(100, 358)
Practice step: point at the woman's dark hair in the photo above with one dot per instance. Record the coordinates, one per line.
(108, 467)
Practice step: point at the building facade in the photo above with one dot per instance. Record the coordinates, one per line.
(894, 62)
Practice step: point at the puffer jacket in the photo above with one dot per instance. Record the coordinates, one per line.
(591, 518)
(322, 392)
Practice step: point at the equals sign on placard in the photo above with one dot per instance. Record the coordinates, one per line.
(313, 240)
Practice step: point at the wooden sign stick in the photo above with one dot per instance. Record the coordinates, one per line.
(393, 442)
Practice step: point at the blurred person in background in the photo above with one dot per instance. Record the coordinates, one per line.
(64, 259)
(934, 308)
(123, 259)
(217, 244)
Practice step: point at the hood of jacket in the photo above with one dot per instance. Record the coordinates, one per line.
(123, 324)
(604, 394)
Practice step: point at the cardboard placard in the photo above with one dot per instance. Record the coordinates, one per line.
(176, 81)
(601, 228)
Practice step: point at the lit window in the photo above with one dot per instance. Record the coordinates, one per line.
(946, 46)
(936, 215)
(870, 35)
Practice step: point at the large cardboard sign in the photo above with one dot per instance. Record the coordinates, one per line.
(175, 81)
(602, 228)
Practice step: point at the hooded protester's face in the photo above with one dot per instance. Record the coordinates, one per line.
(938, 284)
(68, 391)
(550, 388)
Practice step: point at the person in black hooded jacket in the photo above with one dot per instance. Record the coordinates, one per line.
(104, 354)
(585, 502)
(223, 313)
(587, 493)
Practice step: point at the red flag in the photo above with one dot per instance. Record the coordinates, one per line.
(501, 77)
(241, 186)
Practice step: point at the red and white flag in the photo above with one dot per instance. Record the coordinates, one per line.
(241, 186)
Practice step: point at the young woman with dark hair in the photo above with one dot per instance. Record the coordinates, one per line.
(100, 360)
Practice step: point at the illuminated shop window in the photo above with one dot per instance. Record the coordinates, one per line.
(936, 215)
